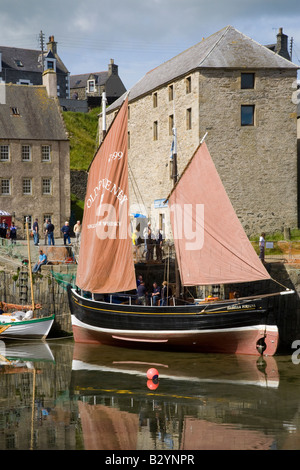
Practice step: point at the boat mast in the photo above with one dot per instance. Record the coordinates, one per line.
(103, 116)
(175, 177)
(29, 265)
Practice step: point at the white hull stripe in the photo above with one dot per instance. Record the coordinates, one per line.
(78, 323)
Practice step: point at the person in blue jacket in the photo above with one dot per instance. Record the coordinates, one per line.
(66, 233)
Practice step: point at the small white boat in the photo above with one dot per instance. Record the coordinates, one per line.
(22, 325)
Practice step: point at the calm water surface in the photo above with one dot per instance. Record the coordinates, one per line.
(58, 395)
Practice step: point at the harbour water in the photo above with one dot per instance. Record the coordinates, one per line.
(64, 396)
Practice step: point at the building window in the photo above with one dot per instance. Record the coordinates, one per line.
(171, 92)
(5, 187)
(27, 186)
(15, 111)
(4, 153)
(247, 115)
(155, 100)
(155, 130)
(247, 81)
(188, 85)
(91, 86)
(189, 118)
(26, 153)
(50, 65)
(46, 153)
(29, 219)
(171, 124)
(46, 186)
(128, 140)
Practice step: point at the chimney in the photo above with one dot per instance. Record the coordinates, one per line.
(282, 45)
(2, 93)
(112, 68)
(50, 82)
(52, 45)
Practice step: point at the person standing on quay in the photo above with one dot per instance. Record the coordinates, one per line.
(35, 229)
(50, 232)
(13, 233)
(45, 231)
(77, 231)
(262, 247)
(66, 233)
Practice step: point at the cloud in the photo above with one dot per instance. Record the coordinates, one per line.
(138, 34)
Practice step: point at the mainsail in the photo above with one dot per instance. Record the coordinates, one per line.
(210, 242)
(105, 257)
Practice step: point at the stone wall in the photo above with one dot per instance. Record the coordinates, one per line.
(257, 164)
(52, 295)
(78, 183)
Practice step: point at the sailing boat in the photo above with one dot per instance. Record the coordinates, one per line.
(211, 248)
(22, 324)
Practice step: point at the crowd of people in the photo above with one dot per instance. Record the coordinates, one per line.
(48, 232)
(8, 231)
(157, 296)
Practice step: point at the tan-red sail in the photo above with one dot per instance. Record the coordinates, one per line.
(105, 257)
(210, 242)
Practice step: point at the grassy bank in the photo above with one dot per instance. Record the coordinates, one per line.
(83, 133)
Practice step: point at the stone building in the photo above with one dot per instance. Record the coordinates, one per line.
(34, 155)
(240, 93)
(90, 86)
(26, 67)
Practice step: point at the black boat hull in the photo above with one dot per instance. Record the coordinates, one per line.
(238, 326)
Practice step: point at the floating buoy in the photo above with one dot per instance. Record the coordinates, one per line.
(152, 373)
(152, 384)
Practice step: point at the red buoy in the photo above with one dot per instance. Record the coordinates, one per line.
(152, 385)
(152, 373)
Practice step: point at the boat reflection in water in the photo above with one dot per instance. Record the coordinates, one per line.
(200, 402)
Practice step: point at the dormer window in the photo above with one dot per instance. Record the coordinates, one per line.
(91, 86)
(50, 62)
(19, 63)
(50, 65)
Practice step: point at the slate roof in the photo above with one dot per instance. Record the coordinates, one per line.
(37, 116)
(29, 58)
(228, 48)
(79, 81)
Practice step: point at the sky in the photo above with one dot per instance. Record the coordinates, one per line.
(139, 34)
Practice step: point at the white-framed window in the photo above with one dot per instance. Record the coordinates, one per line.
(27, 186)
(5, 187)
(4, 153)
(23, 81)
(91, 86)
(46, 186)
(50, 64)
(47, 217)
(46, 153)
(26, 153)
